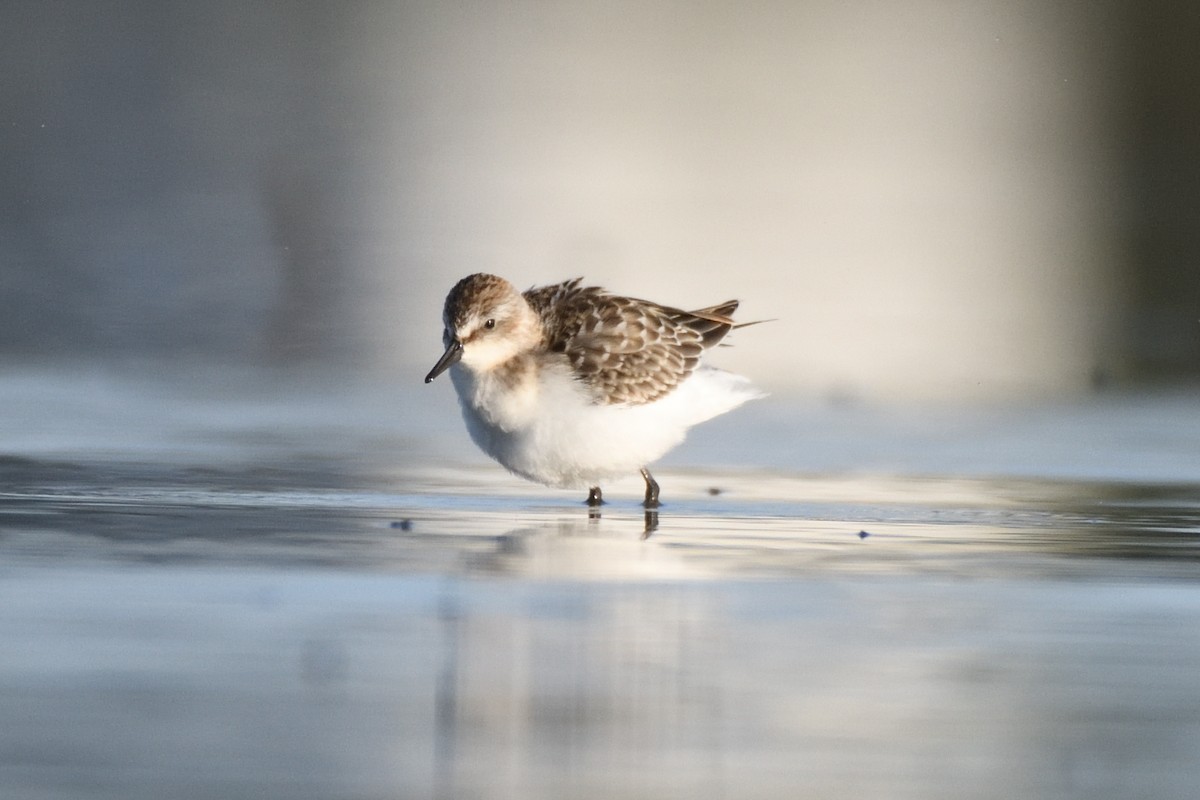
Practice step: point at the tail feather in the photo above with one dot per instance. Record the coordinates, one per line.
(721, 312)
(755, 322)
(714, 322)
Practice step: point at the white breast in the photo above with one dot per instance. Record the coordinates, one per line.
(547, 429)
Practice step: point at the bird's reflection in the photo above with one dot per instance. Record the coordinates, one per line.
(575, 684)
(650, 519)
(616, 545)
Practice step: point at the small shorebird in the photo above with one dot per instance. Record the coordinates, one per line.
(568, 385)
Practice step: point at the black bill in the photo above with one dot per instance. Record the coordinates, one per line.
(449, 358)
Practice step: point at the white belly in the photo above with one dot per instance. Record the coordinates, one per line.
(548, 430)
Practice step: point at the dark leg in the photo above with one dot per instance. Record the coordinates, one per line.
(594, 496)
(651, 500)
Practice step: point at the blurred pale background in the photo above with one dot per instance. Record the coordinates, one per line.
(934, 200)
(247, 553)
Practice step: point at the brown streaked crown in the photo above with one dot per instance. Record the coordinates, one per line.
(474, 294)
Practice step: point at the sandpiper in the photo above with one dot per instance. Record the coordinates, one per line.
(568, 385)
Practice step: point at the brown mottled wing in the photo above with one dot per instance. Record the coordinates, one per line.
(626, 350)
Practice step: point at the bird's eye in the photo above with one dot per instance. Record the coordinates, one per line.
(491, 323)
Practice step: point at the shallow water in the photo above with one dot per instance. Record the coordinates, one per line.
(289, 611)
(236, 632)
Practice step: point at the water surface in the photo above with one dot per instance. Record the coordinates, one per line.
(241, 603)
